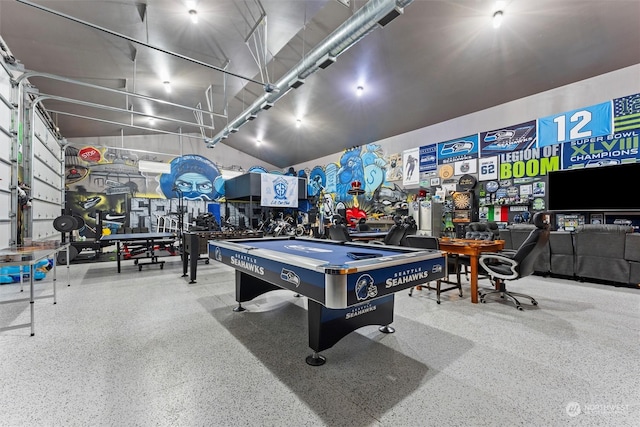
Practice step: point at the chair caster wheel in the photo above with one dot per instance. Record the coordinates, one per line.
(520, 308)
(534, 302)
(482, 300)
(438, 302)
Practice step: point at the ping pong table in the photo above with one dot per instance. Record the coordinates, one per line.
(137, 246)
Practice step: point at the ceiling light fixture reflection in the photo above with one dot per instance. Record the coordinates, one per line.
(258, 142)
(298, 123)
(498, 17)
(167, 85)
(193, 14)
(359, 90)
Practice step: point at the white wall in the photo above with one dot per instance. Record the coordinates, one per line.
(6, 113)
(46, 181)
(615, 84)
(222, 155)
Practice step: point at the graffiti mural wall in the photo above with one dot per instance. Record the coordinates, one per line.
(330, 187)
(106, 186)
(101, 184)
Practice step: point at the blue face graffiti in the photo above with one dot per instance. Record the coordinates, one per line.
(193, 185)
(192, 177)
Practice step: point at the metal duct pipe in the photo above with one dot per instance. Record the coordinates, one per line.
(375, 12)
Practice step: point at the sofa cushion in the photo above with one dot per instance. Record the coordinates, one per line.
(632, 247)
(601, 240)
(505, 235)
(613, 228)
(562, 256)
(609, 269)
(600, 252)
(634, 273)
(561, 242)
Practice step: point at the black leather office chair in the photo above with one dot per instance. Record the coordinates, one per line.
(510, 265)
(393, 237)
(396, 236)
(428, 242)
(478, 231)
(362, 225)
(410, 228)
(492, 226)
(339, 232)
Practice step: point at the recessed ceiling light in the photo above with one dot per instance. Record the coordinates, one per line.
(167, 85)
(298, 123)
(359, 90)
(498, 17)
(194, 15)
(258, 142)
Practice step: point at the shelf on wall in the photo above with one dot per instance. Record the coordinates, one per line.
(504, 204)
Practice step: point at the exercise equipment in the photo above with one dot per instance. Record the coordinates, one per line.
(71, 225)
(66, 223)
(80, 220)
(62, 255)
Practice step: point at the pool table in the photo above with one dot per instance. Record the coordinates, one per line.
(348, 284)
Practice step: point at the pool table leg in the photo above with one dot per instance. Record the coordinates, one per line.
(248, 287)
(316, 359)
(328, 326)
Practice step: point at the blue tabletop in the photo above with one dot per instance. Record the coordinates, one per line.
(332, 253)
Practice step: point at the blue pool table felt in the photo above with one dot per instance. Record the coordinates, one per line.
(331, 253)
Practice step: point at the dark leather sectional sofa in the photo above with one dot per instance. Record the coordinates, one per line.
(603, 252)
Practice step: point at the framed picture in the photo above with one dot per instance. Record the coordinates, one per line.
(435, 182)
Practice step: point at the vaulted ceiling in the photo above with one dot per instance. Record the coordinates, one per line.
(436, 61)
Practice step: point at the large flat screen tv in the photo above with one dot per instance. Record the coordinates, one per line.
(603, 188)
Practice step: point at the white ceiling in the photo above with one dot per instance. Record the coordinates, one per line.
(437, 61)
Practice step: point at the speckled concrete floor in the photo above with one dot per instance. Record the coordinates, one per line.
(148, 348)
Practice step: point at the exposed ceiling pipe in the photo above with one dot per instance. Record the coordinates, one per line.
(32, 74)
(43, 97)
(375, 12)
(112, 122)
